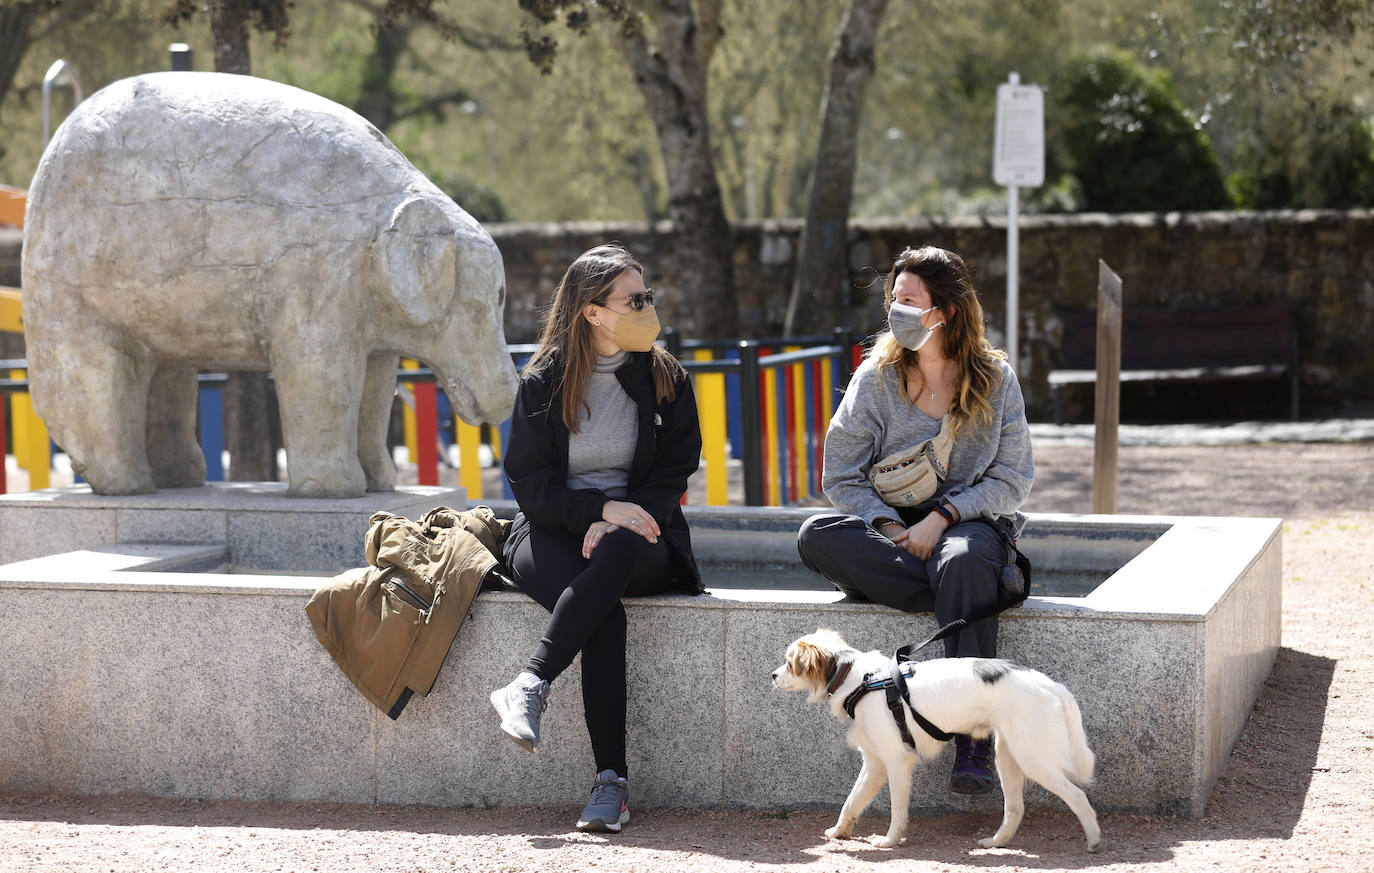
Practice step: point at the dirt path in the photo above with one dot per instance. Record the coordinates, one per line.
(1297, 794)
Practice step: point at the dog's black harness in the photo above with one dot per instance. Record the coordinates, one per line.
(893, 683)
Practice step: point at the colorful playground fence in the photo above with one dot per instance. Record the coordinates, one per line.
(764, 404)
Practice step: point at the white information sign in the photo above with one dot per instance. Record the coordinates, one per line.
(1018, 152)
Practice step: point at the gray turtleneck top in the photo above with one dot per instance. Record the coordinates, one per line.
(600, 453)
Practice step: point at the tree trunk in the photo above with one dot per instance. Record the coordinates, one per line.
(821, 284)
(247, 416)
(671, 74)
(377, 99)
(230, 35)
(16, 20)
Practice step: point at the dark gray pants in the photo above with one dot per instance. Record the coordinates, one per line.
(960, 577)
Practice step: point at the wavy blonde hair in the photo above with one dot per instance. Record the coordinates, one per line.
(951, 290)
(588, 280)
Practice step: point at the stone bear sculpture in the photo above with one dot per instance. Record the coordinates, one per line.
(202, 220)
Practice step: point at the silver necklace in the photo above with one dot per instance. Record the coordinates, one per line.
(925, 384)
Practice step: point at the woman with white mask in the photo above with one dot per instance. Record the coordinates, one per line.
(950, 547)
(602, 441)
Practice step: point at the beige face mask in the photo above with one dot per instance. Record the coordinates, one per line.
(636, 331)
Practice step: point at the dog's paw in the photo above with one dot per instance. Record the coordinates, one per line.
(887, 841)
(1094, 845)
(837, 833)
(989, 843)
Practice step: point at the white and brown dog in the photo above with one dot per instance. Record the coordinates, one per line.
(1036, 722)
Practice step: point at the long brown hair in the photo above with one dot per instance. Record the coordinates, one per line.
(567, 333)
(951, 290)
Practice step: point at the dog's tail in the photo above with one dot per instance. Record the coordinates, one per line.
(1082, 757)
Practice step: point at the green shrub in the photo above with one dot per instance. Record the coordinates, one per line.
(1320, 157)
(1129, 142)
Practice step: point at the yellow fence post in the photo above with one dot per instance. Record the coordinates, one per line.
(469, 457)
(31, 447)
(11, 311)
(494, 434)
(408, 412)
(711, 413)
(801, 460)
(19, 443)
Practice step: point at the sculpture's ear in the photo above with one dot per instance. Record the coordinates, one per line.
(419, 254)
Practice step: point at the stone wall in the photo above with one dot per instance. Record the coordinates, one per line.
(1319, 262)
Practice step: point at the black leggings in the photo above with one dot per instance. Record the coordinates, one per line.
(584, 597)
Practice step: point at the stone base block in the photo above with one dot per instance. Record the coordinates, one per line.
(124, 672)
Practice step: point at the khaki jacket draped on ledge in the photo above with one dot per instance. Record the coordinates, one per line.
(390, 625)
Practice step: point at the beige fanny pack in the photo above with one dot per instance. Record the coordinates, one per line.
(910, 477)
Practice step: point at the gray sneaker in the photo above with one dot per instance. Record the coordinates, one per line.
(520, 704)
(610, 804)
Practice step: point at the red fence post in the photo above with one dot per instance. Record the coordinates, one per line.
(818, 424)
(4, 449)
(426, 434)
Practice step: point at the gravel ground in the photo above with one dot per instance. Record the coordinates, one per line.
(1297, 793)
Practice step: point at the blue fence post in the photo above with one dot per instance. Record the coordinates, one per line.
(505, 445)
(211, 408)
(519, 358)
(844, 338)
(733, 427)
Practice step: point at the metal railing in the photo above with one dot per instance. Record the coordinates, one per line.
(768, 408)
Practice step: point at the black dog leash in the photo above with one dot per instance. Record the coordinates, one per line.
(894, 685)
(1014, 594)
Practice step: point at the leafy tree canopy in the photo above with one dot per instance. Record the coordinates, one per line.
(1319, 157)
(1130, 143)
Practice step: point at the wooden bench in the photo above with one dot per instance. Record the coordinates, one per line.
(1184, 345)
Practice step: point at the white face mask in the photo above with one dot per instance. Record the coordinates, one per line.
(905, 323)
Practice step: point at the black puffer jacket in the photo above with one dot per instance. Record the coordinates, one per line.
(667, 453)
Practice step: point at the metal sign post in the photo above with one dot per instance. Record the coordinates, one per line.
(60, 73)
(1018, 161)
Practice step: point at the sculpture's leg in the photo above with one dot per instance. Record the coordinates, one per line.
(173, 452)
(374, 417)
(319, 402)
(96, 389)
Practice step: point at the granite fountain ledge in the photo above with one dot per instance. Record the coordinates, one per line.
(131, 669)
(260, 525)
